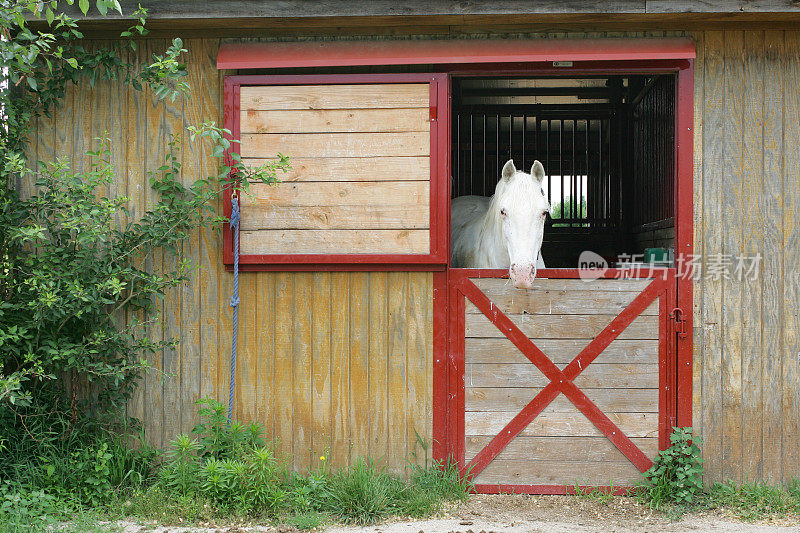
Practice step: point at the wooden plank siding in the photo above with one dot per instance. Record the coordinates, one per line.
(560, 446)
(747, 118)
(329, 366)
(747, 333)
(344, 135)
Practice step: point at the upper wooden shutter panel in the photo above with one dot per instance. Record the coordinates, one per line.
(360, 188)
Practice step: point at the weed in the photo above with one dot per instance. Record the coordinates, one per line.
(595, 494)
(308, 520)
(362, 494)
(220, 438)
(676, 474)
(751, 501)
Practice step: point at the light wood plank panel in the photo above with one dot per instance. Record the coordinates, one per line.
(360, 216)
(545, 284)
(751, 221)
(397, 393)
(284, 355)
(561, 302)
(360, 361)
(714, 69)
(698, 412)
(394, 168)
(558, 473)
(570, 449)
(732, 179)
(321, 365)
(154, 125)
(340, 96)
(335, 121)
(341, 434)
(560, 351)
(335, 242)
(265, 355)
(196, 163)
(638, 376)
(363, 145)
(791, 242)
(478, 398)
(338, 193)
(135, 177)
(771, 201)
(247, 388)
(379, 367)
(417, 363)
(552, 424)
(563, 326)
(302, 368)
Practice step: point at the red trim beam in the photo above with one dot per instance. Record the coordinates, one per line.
(246, 55)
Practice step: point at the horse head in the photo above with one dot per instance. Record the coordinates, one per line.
(521, 208)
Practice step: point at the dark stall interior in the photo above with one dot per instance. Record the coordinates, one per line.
(607, 146)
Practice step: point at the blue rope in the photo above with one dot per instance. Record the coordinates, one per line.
(235, 301)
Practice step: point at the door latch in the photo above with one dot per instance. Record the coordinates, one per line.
(680, 322)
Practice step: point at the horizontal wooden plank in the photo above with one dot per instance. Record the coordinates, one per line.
(361, 216)
(560, 351)
(563, 326)
(335, 120)
(595, 376)
(544, 284)
(558, 424)
(404, 193)
(515, 398)
(414, 143)
(335, 242)
(342, 96)
(558, 473)
(571, 449)
(513, 301)
(415, 168)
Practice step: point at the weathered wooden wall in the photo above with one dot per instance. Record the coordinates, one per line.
(747, 336)
(332, 364)
(747, 202)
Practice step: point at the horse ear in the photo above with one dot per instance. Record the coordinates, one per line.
(508, 169)
(537, 171)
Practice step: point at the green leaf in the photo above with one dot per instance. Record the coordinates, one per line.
(32, 83)
(50, 16)
(83, 5)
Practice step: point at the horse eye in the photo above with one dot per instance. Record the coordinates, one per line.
(503, 212)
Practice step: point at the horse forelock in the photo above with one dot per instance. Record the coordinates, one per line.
(516, 192)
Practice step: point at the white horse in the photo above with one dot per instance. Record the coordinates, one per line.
(506, 230)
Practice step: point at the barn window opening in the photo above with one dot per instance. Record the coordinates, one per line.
(607, 146)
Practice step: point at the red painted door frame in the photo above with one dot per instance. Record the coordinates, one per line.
(448, 375)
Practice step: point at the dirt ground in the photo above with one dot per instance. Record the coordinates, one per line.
(518, 513)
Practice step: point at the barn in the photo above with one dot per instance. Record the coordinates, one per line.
(668, 130)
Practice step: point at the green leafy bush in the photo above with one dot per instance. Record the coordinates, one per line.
(77, 287)
(676, 474)
(23, 509)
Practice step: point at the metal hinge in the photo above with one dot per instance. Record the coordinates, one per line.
(680, 322)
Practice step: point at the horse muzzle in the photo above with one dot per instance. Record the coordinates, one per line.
(522, 276)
